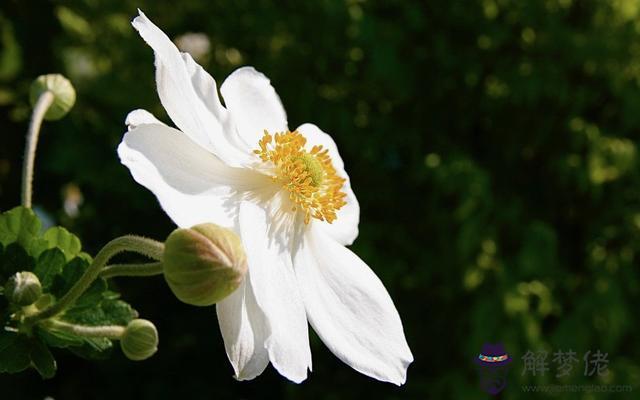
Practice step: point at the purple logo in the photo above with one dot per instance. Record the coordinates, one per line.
(493, 366)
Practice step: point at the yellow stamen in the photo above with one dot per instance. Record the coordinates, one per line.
(313, 184)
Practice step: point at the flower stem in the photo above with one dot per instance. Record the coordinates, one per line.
(146, 269)
(148, 247)
(42, 105)
(105, 331)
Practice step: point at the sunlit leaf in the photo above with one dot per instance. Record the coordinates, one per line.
(64, 240)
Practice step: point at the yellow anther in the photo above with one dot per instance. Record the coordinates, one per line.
(313, 183)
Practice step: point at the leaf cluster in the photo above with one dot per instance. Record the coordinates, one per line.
(56, 258)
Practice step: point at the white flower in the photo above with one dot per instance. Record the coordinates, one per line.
(287, 196)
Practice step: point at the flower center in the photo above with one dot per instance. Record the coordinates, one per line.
(313, 184)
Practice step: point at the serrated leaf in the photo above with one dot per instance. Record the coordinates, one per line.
(109, 312)
(42, 359)
(14, 352)
(14, 259)
(118, 312)
(64, 240)
(48, 266)
(93, 295)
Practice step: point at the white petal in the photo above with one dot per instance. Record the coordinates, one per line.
(274, 284)
(180, 98)
(140, 117)
(350, 309)
(244, 330)
(192, 185)
(205, 87)
(345, 228)
(254, 105)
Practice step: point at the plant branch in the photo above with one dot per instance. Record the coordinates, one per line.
(42, 105)
(148, 247)
(142, 269)
(105, 331)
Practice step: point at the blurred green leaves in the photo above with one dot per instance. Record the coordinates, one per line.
(492, 145)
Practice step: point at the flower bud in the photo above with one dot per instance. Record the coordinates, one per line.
(139, 340)
(64, 95)
(23, 288)
(203, 264)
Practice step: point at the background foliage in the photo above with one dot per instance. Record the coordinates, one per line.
(492, 144)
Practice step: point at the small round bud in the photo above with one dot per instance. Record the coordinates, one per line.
(203, 264)
(64, 95)
(139, 340)
(23, 288)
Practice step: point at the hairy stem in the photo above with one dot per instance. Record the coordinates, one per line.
(105, 331)
(148, 247)
(146, 269)
(42, 105)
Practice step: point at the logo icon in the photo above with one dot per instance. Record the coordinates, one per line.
(493, 366)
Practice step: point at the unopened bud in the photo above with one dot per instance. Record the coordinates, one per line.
(139, 340)
(203, 264)
(23, 288)
(64, 95)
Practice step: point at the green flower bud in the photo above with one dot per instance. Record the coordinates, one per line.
(23, 288)
(203, 264)
(139, 340)
(63, 92)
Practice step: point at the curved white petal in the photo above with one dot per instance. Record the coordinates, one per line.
(253, 104)
(205, 87)
(350, 309)
(345, 228)
(244, 330)
(192, 185)
(140, 117)
(175, 78)
(274, 284)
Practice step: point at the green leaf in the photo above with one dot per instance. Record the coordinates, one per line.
(99, 344)
(64, 240)
(49, 265)
(21, 225)
(118, 312)
(89, 351)
(85, 256)
(42, 359)
(56, 258)
(14, 352)
(69, 276)
(93, 295)
(58, 339)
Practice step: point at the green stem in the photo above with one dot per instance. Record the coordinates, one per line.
(147, 269)
(39, 110)
(148, 247)
(105, 331)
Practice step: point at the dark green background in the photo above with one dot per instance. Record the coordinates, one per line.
(492, 145)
